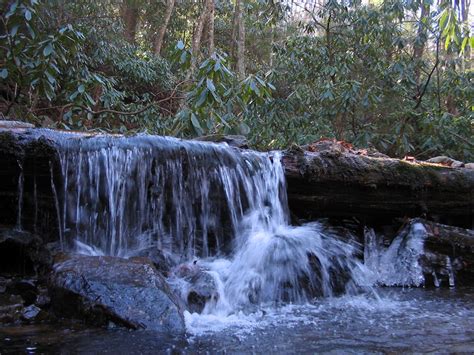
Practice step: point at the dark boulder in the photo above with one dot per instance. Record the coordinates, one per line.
(23, 253)
(103, 289)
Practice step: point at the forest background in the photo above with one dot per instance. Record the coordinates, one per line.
(394, 75)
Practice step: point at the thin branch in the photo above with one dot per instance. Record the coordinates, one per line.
(420, 97)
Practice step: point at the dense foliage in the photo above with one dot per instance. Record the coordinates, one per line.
(394, 74)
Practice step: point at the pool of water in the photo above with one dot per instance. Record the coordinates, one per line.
(397, 320)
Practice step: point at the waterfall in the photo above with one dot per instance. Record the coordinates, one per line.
(201, 201)
(188, 198)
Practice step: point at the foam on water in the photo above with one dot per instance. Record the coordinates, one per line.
(226, 209)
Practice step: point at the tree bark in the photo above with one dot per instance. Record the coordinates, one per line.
(238, 39)
(210, 28)
(162, 30)
(341, 183)
(130, 20)
(197, 36)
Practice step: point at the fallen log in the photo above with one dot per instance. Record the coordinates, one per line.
(339, 182)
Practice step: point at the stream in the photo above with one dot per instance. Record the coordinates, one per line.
(401, 320)
(248, 280)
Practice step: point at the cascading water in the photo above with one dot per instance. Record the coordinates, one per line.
(200, 200)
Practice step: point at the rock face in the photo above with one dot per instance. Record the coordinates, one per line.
(343, 183)
(23, 252)
(449, 253)
(130, 293)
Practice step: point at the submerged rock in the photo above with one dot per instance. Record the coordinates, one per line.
(195, 285)
(100, 289)
(203, 288)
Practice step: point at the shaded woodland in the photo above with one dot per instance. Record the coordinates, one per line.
(395, 75)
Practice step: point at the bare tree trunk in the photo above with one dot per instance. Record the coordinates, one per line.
(465, 4)
(196, 42)
(210, 28)
(419, 48)
(162, 30)
(130, 20)
(239, 39)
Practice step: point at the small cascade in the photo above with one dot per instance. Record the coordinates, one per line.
(399, 264)
(286, 264)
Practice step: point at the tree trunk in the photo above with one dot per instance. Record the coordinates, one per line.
(130, 20)
(210, 28)
(162, 30)
(239, 39)
(197, 36)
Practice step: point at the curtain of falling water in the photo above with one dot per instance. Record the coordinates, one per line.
(124, 194)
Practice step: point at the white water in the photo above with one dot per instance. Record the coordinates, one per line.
(223, 213)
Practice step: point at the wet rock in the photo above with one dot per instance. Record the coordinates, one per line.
(100, 289)
(196, 286)
(10, 313)
(232, 140)
(186, 270)
(336, 182)
(43, 300)
(11, 307)
(160, 260)
(24, 288)
(4, 124)
(31, 313)
(23, 253)
(202, 289)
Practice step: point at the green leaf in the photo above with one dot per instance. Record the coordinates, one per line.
(443, 19)
(27, 15)
(12, 9)
(48, 50)
(14, 30)
(73, 95)
(195, 121)
(446, 43)
(4, 73)
(244, 128)
(51, 78)
(81, 88)
(464, 43)
(202, 98)
(210, 85)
